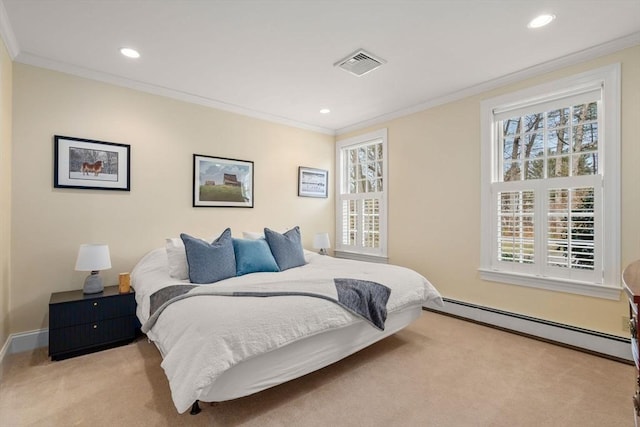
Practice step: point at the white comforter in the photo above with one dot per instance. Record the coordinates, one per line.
(203, 336)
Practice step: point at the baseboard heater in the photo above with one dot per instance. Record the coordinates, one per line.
(607, 345)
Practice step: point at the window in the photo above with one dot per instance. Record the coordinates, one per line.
(550, 219)
(361, 208)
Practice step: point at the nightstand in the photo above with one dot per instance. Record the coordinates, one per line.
(81, 323)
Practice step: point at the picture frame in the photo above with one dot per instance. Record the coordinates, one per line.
(313, 182)
(222, 182)
(90, 164)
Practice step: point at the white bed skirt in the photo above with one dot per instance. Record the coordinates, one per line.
(302, 357)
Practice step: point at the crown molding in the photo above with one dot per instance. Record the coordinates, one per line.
(10, 41)
(6, 32)
(8, 36)
(38, 61)
(545, 67)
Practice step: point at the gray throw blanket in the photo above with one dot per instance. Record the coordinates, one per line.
(363, 298)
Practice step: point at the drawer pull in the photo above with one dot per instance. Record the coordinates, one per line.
(95, 304)
(95, 326)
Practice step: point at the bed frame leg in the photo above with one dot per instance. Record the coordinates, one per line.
(195, 408)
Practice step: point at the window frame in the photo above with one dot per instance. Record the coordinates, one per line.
(608, 78)
(359, 252)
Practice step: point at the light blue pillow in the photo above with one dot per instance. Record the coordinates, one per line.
(286, 248)
(253, 256)
(210, 262)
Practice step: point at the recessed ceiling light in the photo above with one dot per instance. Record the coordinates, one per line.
(129, 53)
(325, 111)
(541, 21)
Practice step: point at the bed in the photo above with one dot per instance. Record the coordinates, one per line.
(217, 347)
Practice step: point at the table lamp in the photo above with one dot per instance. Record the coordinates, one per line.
(93, 258)
(321, 241)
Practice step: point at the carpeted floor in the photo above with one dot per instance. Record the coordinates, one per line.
(440, 371)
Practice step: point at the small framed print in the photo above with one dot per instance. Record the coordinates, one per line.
(220, 182)
(312, 182)
(89, 164)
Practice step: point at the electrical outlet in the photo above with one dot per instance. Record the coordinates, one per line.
(625, 323)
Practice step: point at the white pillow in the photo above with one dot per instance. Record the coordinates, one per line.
(252, 235)
(177, 256)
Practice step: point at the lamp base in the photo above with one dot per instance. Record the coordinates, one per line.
(93, 284)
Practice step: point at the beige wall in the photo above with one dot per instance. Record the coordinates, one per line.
(5, 190)
(49, 224)
(435, 229)
(432, 229)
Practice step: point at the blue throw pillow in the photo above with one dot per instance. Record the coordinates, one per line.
(210, 262)
(286, 248)
(253, 256)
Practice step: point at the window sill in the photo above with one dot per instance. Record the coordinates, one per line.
(361, 257)
(569, 286)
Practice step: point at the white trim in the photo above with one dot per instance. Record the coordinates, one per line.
(611, 162)
(576, 337)
(546, 67)
(547, 102)
(3, 352)
(37, 61)
(361, 257)
(30, 340)
(25, 341)
(488, 158)
(380, 134)
(609, 78)
(552, 284)
(6, 31)
(612, 46)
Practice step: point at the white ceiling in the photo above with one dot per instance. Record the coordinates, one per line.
(274, 59)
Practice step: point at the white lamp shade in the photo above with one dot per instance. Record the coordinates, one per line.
(93, 258)
(321, 241)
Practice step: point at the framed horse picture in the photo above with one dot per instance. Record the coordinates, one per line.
(90, 164)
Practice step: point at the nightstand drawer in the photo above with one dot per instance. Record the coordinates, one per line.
(90, 310)
(74, 338)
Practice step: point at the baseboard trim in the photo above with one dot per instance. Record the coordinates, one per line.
(5, 348)
(3, 352)
(24, 341)
(606, 345)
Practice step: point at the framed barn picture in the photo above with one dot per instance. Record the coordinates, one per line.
(90, 164)
(221, 182)
(312, 182)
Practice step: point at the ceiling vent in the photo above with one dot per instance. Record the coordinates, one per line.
(360, 63)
